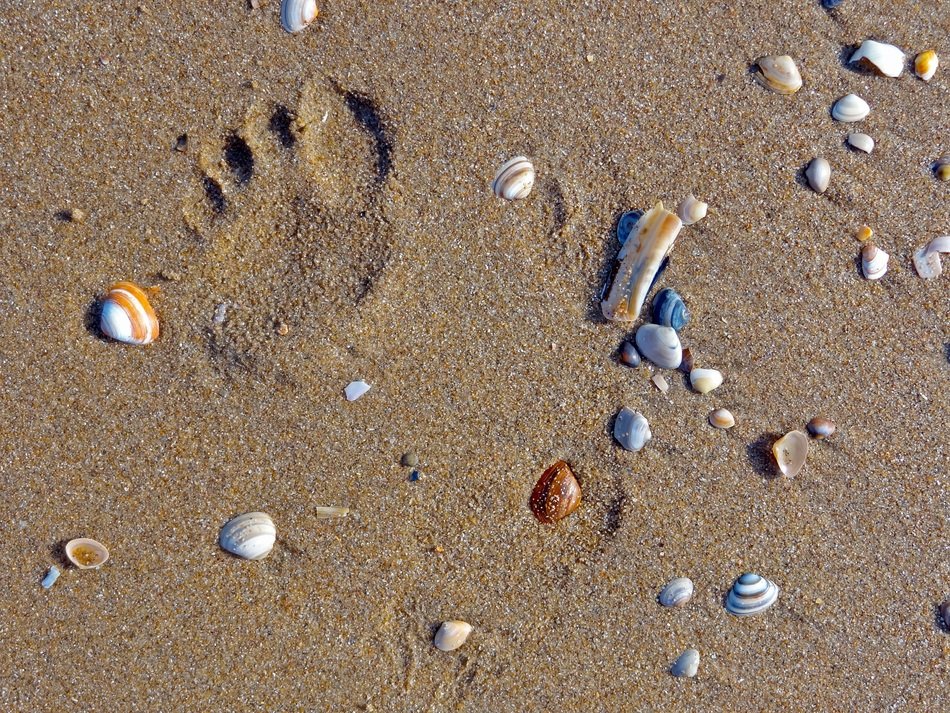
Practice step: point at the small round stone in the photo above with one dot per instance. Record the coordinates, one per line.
(77, 215)
(410, 459)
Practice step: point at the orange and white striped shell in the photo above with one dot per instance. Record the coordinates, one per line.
(127, 316)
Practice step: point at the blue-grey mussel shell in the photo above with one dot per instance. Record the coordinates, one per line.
(625, 224)
(669, 309)
(751, 594)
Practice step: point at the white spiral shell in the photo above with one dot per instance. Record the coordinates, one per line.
(251, 535)
(751, 594)
(514, 180)
(295, 15)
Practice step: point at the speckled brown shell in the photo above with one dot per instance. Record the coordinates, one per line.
(556, 495)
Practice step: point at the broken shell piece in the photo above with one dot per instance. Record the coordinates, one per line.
(691, 210)
(861, 142)
(850, 108)
(659, 345)
(942, 168)
(780, 74)
(945, 614)
(721, 418)
(514, 180)
(686, 665)
(820, 428)
(640, 257)
(250, 536)
(452, 634)
(86, 553)
(686, 365)
(885, 59)
(818, 174)
(50, 579)
(925, 65)
(556, 494)
(660, 383)
(325, 513)
(631, 429)
(927, 259)
(790, 451)
(355, 389)
(873, 261)
(295, 15)
(705, 380)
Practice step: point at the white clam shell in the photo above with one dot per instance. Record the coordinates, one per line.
(886, 59)
(686, 665)
(705, 380)
(631, 429)
(661, 345)
(927, 259)
(691, 210)
(873, 261)
(452, 634)
(514, 180)
(677, 592)
(251, 535)
(862, 142)
(295, 15)
(850, 108)
(818, 174)
(925, 65)
(780, 74)
(790, 452)
(751, 594)
(721, 418)
(86, 553)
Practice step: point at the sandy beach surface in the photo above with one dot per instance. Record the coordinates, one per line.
(327, 218)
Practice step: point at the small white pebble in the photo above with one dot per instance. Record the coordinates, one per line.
(355, 389)
(50, 579)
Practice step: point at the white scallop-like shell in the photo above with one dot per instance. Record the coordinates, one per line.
(514, 180)
(127, 315)
(691, 210)
(780, 74)
(705, 380)
(886, 59)
(790, 452)
(659, 344)
(849, 108)
(862, 142)
(631, 429)
(86, 553)
(686, 665)
(818, 174)
(295, 15)
(927, 259)
(677, 592)
(721, 418)
(251, 535)
(873, 261)
(925, 65)
(751, 594)
(452, 634)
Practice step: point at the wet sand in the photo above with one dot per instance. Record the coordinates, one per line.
(336, 182)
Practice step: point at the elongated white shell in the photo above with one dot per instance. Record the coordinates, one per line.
(751, 594)
(452, 634)
(251, 535)
(677, 592)
(631, 429)
(705, 380)
(850, 108)
(127, 315)
(886, 59)
(862, 142)
(780, 74)
(818, 174)
(86, 553)
(691, 210)
(927, 259)
(661, 345)
(687, 665)
(925, 65)
(873, 261)
(295, 15)
(514, 180)
(790, 452)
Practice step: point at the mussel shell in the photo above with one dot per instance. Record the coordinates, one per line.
(127, 316)
(677, 592)
(790, 452)
(514, 180)
(629, 354)
(669, 310)
(295, 15)
(626, 223)
(86, 553)
(250, 536)
(751, 594)
(556, 495)
(659, 345)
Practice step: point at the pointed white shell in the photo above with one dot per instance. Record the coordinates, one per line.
(691, 210)
(705, 380)
(686, 665)
(886, 59)
(660, 345)
(355, 389)
(677, 592)
(86, 553)
(514, 180)
(452, 634)
(751, 594)
(818, 174)
(251, 535)
(631, 429)
(295, 15)
(925, 66)
(862, 142)
(873, 261)
(927, 259)
(780, 74)
(790, 452)
(850, 107)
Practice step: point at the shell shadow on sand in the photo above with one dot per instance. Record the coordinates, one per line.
(759, 454)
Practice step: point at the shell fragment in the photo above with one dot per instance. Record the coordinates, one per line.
(355, 389)
(927, 259)
(886, 59)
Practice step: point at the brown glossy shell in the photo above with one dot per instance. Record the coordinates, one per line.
(556, 495)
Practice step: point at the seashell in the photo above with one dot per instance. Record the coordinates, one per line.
(927, 259)
(629, 354)
(790, 451)
(818, 174)
(514, 179)
(873, 261)
(659, 345)
(295, 15)
(50, 579)
(820, 427)
(925, 65)
(251, 535)
(721, 418)
(660, 382)
(631, 429)
(556, 495)
(677, 592)
(669, 309)
(850, 107)
(691, 210)
(686, 665)
(328, 513)
(864, 234)
(127, 316)
(86, 553)
(355, 389)
(885, 59)
(780, 74)
(705, 380)
(861, 142)
(945, 614)
(686, 365)
(830, 4)
(751, 594)
(640, 258)
(452, 634)
(627, 222)
(942, 168)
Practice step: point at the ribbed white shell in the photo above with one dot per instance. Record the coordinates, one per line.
(849, 108)
(514, 180)
(862, 142)
(251, 535)
(295, 15)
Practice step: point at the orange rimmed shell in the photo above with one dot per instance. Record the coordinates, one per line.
(127, 315)
(556, 495)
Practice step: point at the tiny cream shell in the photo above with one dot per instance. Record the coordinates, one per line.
(250, 536)
(873, 261)
(927, 259)
(295, 15)
(780, 74)
(677, 592)
(705, 380)
(86, 553)
(886, 59)
(925, 65)
(127, 315)
(861, 142)
(452, 634)
(514, 180)
(850, 108)
(721, 418)
(691, 210)
(818, 174)
(790, 451)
